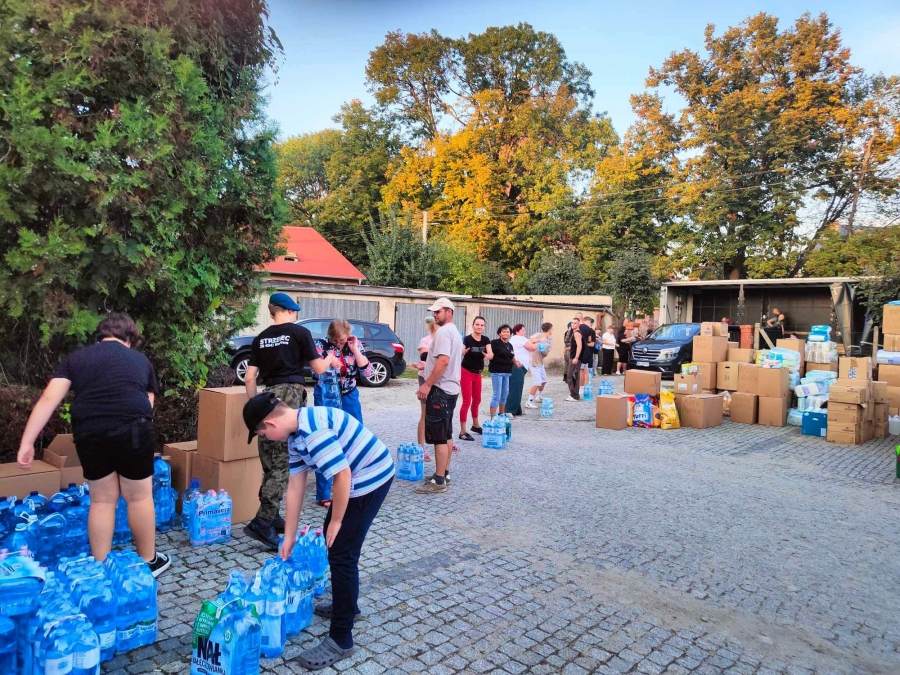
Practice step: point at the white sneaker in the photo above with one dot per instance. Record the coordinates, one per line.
(574, 400)
(529, 404)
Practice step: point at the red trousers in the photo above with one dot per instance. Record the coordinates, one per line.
(470, 386)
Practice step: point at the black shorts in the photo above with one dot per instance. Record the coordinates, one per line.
(127, 451)
(439, 407)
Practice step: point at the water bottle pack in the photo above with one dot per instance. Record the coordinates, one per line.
(209, 518)
(493, 434)
(329, 383)
(46, 527)
(410, 461)
(249, 621)
(164, 495)
(588, 390)
(74, 618)
(605, 388)
(546, 408)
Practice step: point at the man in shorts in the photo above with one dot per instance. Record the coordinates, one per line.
(439, 392)
(538, 371)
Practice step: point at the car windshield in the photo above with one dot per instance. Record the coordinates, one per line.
(675, 331)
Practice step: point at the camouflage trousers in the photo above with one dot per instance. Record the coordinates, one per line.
(274, 456)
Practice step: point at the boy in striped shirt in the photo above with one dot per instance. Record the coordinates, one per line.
(333, 443)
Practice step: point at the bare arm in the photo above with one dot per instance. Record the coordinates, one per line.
(577, 337)
(489, 354)
(340, 497)
(49, 401)
(250, 381)
(293, 506)
(531, 345)
(152, 398)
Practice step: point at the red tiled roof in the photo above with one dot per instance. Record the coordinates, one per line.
(310, 255)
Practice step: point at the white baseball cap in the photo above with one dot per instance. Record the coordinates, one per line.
(441, 303)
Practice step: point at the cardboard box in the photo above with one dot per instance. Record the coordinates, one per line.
(717, 328)
(891, 342)
(710, 348)
(727, 375)
(639, 382)
(882, 430)
(772, 383)
(846, 413)
(687, 384)
(612, 412)
(880, 413)
(240, 478)
(854, 437)
(221, 433)
(700, 411)
(61, 454)
(773, 411)
(795, 345)
(815, 423)
(748, 378)
(893, 412)
(893, 397)
(738, 355)
(880, 392)
(181, 459)
(890, 374)
(839, 393)
(890, 321)
(744, 407)
(734, 345)
(708, 375)
(855, 368)
(40, 476)
(831, 367)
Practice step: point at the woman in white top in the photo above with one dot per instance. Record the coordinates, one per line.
(608, 347)
(522, 348)
(424, 346)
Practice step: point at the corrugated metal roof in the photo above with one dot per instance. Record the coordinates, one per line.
(799, 281)
(309, 254)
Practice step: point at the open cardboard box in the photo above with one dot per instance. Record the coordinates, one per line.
(41, 477)
(61, 454)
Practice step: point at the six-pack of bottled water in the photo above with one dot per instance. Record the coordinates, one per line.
(73, 618)
(410, 461)
(252, 620)
(496, 432)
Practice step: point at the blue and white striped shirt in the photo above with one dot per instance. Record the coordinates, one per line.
(329, 440)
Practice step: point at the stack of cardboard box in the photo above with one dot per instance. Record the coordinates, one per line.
(851, 413)
(710, 349)
(612, 411)
(220, 457)
(890, 375)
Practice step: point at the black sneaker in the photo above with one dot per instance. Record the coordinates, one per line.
(476, 430)
(278, 524)
(263, 532)
(465, 436)
(159, 564)
(326, 610)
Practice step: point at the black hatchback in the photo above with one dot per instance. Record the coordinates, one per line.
(383, 348)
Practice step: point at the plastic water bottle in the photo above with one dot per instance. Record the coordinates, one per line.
(21, 581)
(236, 588)
(188, 501)
(417, 459)
(256, 595)
(122, 533)
(300, 590)
(210, 518)
(77, 533)
(588, 390)
(164, 497)
(8, 645)
(85, 648)
(98, 602)
(248, 646)
(22, 537)
(547, 408)
(329, 383)
(59, 502)
(55, 651)
(36, 502)
(273, 623)
(319, 563)
(51, 532)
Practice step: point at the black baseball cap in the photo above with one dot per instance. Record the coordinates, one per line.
(256, 410)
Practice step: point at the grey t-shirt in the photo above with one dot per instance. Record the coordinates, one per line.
(446, 343)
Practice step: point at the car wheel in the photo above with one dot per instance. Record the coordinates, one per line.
(240, 367)
(381, 373)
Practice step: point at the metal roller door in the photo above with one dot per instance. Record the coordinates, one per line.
(495, 317)
(409, 324)
(331, 308)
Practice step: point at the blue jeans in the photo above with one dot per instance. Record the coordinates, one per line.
(500, 385)
(350, 405)
(343, 558)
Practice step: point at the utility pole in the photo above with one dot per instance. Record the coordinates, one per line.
(424, 227)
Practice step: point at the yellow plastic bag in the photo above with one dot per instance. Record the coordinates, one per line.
(668, 413)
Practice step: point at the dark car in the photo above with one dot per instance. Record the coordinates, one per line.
(383, 348)
(665, 349)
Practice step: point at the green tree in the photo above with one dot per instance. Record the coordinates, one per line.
(465, 274)
(779, 137)
(864, 252)
(556, 271)
(399, 257)
(879, 291)
(632, 282)
(137, 175)
(333, 179)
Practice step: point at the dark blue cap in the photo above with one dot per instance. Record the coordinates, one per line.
(284, 301)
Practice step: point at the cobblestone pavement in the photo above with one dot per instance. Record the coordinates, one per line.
(738, 549)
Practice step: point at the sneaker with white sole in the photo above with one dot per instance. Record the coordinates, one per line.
(531, 405)
(573, 400)
(159, 564)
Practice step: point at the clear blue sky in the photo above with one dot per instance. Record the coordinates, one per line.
(327, 43)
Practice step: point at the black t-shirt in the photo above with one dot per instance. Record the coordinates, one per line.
(110, 382)
(473, 360)
(503, 357)
(588, 338)
(281, 351)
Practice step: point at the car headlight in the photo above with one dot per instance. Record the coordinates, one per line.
(667, 354)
